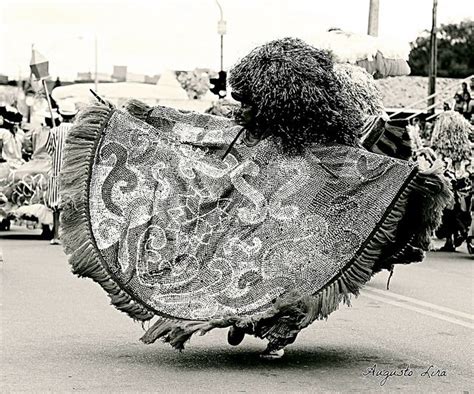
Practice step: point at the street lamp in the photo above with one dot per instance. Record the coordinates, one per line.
(221, 30)
(96, 78)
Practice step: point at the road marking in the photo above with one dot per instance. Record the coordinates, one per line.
(419, 302)
(419, 310)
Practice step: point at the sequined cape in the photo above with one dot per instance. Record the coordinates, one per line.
(170, 229)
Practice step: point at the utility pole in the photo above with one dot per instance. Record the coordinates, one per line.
(96, 60)
(373, 27)
(433, 60)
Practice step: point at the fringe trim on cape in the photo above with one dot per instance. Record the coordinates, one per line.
(76, 232)
(290, 313)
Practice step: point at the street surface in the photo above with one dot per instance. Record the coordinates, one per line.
(58, 333)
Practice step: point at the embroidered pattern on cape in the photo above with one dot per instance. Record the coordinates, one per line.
(193, 236)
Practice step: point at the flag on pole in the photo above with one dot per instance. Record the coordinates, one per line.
(39, 65)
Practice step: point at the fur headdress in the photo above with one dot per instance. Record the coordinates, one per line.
(450, 137)
(289, 89)
(360, 87)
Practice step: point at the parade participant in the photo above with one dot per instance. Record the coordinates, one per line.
(56, 142)
(377, 134)
(12, 138)
(265, 224)
(40, 136)
(450, 141)
(40, 161)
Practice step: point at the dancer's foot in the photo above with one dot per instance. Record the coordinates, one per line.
(235, 336)
(272, 354)
(447, 248)
(55, 241)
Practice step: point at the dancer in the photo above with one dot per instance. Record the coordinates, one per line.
(450, 142)
(263, 224)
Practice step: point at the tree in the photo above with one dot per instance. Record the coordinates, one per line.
(455, 51)
(196, 82)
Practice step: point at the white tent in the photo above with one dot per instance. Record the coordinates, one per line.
(167, 91)
(115, 92)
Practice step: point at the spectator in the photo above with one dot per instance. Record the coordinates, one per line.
(11, 137)
(467, 106)
(458, 103)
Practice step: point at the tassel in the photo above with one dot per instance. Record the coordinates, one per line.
(233, 142)
(390, 276)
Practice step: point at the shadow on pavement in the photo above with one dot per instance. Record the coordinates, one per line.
(36, 236)
(232, 359)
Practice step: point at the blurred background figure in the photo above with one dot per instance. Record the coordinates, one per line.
(450, 141)
(11, 140)
(55, 147)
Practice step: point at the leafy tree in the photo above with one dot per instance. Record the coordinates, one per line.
(455, 51)
(196, 82)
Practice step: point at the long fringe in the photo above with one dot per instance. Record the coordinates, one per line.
(76, 233)
(296, 311)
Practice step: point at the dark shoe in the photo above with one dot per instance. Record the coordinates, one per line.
(447, 248)
(235, 336)
(459, 239)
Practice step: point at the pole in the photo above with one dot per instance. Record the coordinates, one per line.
(96, 77)
(49, 101)
(222, 52)
(373, 26)
(221, 30)
(433, 59)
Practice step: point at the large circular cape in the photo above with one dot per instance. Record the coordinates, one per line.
(156, 216)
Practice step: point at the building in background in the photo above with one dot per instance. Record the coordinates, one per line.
(152, 79)
(120, 73)
(3, 79)
(134, 77)
(89, 77)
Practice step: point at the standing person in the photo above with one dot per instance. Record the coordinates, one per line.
(12, 138)
(467, 106)
(458, 105)
(56, 143)
(450, 141)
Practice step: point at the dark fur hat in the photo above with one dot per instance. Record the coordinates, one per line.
(289, 89)
(11, 115)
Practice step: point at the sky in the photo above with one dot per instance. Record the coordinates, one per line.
(150, 36)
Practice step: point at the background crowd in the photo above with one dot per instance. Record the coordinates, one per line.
(31, 157)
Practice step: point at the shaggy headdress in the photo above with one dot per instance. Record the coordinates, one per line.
(289, 89)
(451, 136)
(360, 88)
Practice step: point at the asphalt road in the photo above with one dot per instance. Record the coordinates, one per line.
(59, 334)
